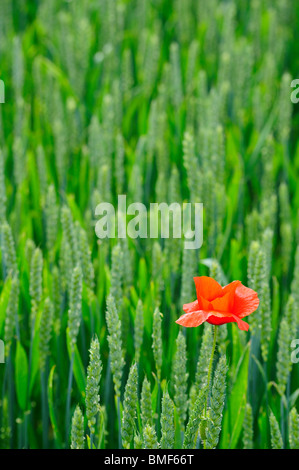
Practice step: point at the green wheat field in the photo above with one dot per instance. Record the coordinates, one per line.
(163, 101)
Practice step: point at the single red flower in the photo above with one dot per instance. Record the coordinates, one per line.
(218, 305)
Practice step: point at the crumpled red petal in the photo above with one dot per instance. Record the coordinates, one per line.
(225, 303)
(241, 324)
(193, 319)
(191, 307)
(204, 304)
(207, 287)
(246, 301)
(231, 287)
(217, 318)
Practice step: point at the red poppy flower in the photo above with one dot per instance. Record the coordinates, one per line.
(218, 305)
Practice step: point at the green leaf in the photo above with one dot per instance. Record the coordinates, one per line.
(34, 362)
(34, 367)
(236, 259)
(275, 315)
(4, 298)
(234, 411)
(21, 376)
(237, 350)
(263, 428)
(142, 276)
(51, 408)
(293, 398)
(79, 372)
(155, 394)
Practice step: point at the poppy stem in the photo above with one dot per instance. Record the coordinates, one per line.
(209, 386)
(210, 369)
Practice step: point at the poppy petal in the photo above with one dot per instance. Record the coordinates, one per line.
(241, 324)
(193, 319)
(204, 304)
(246, 301)
(207, 287)
(231, 287)
(191, 307)
(223, 304)
(217, 318)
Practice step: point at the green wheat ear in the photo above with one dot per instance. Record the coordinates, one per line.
(290, 315)
(51, 218)
(157, 267)
(65, 265)
(75, 305)
(45, 331)
(146, 404)
(276, 438)
(35, 287)
(201, 374)
(77, 432)
(92, 397)
(117, 274)
(42, 169)
(129, 408)
(56, 291)
(150, 440)
(8, 250)
(267, 243)
(86, 261)
(157, 341)
(167, 422)
(217, 404)
(137, 441)
(11, 314)
(70, 234)
(180, 378)
(253, 253)
(173, 246)
(192, 167)
(195, 414)
(119, 163)
(138, 330)
(285, 111)
(188, 271)
(283, 363)
(115, 344)
(94, 141)
(257, 274)
(266, 328)
(285, 226)
(127, 264)
(29, 250)
(294, 429)
(248, 428)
